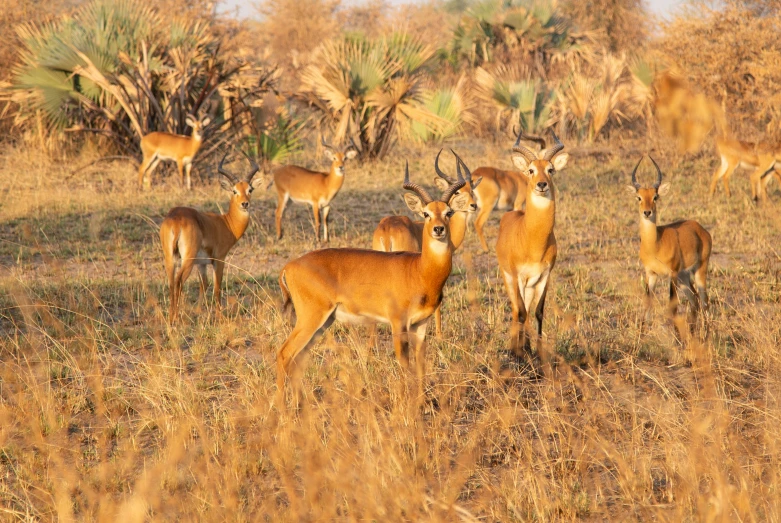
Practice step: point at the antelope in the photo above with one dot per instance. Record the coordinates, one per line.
(312, 187)
(678, 250)
(159, 146)
(399, 233)
(191, 237)
(360, 285)
(501, 190)
(735, 153)
(526, 247)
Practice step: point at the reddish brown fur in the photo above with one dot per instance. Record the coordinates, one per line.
(500, 190)
(186, 232)
(759, 157)
(312, 187)
(159, 146)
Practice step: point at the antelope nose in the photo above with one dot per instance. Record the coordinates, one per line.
(541, 186)
(245, 205)
(439, 230)
(647, 214)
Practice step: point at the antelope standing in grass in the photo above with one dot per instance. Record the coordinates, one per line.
(191, 237)
(360, 285)
(735, 153)
(312, 187)
(504, 190)
(526, 247)
(159, 146)
(399, 233)
(679, 250)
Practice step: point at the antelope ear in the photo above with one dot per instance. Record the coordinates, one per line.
(460, 202)
(189, 121)
(330, 155)
(441, 184)
(475, 183)
(257, 181)
(226, 184)
(520, 162)
(352, 153)
(560, 161)
(630, 189)
(414, 203)
(205, 121)
(663, 189)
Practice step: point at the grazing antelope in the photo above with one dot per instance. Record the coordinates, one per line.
(502, 190)
(203, 238)
(526, 247)
(360, 285)
(159, 146)
(735, 153)
(399, 233)
(312, 187)
(679, 250)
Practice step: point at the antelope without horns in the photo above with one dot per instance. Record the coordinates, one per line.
(317, 189)
(190, 237)
(526, 247)
(399, 233)
(759, 157)
(360, 285)
(159, 146)
(680, 250)
(503, 190)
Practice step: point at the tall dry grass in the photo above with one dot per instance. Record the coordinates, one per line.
(107, 413)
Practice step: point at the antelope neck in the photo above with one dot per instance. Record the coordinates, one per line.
(236, 220)
(539, 221)
(648, 234)
(435, 261)
(458, 229)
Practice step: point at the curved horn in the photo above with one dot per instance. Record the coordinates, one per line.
(351, 145)
(520, 149)
(225, 173)
(459, 161)
(634, 173)
(556, 149)
(658, 172)
(439, 171)
(420, 191)
(322, 141)
(255, 168)
(454, 186)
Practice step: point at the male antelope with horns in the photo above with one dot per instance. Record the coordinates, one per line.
(526, 247)
(360, 285)
(679, 250)
(312, 187)
(199, 238)
(399, 233)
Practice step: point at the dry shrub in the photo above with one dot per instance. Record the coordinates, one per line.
(734, 57)
(623, 24)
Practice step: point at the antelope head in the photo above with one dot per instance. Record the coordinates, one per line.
(197, 124)
(241, 189)
(338, 157)
(539, 168)
(443, 181)
(436, 213)
(648, 196)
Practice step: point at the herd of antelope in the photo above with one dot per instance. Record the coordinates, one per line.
(399, 281)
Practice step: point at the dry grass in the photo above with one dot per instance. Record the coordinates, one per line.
(106, 411)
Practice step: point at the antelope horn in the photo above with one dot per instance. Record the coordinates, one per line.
(352, 145)
(454, 186)
(460, 163)
(520, 149)
(634, 173)
(531, 138)
(255, 168)
(415, 187)
(658, 172)
(225, 173)
(439, 171)
(322, 141)
(556, 149)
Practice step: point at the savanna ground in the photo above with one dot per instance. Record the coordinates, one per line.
(108, 413)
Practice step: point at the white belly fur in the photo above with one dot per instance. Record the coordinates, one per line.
(344, 316)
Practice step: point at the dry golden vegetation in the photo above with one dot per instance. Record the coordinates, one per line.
(107, 412)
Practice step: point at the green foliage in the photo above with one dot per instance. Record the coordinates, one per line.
(517, 97)
(452, 106)
(276, 141)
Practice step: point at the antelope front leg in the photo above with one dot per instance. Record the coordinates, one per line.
(219, 267)
(517, 331)
(326, 210)
(187, 169)
(316, 212)
(400, 343)
(650, 283)
(418, 338)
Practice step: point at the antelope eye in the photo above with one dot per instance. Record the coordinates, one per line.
(426, 215)
(656, 197)
(639, 199)
(449, 213)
